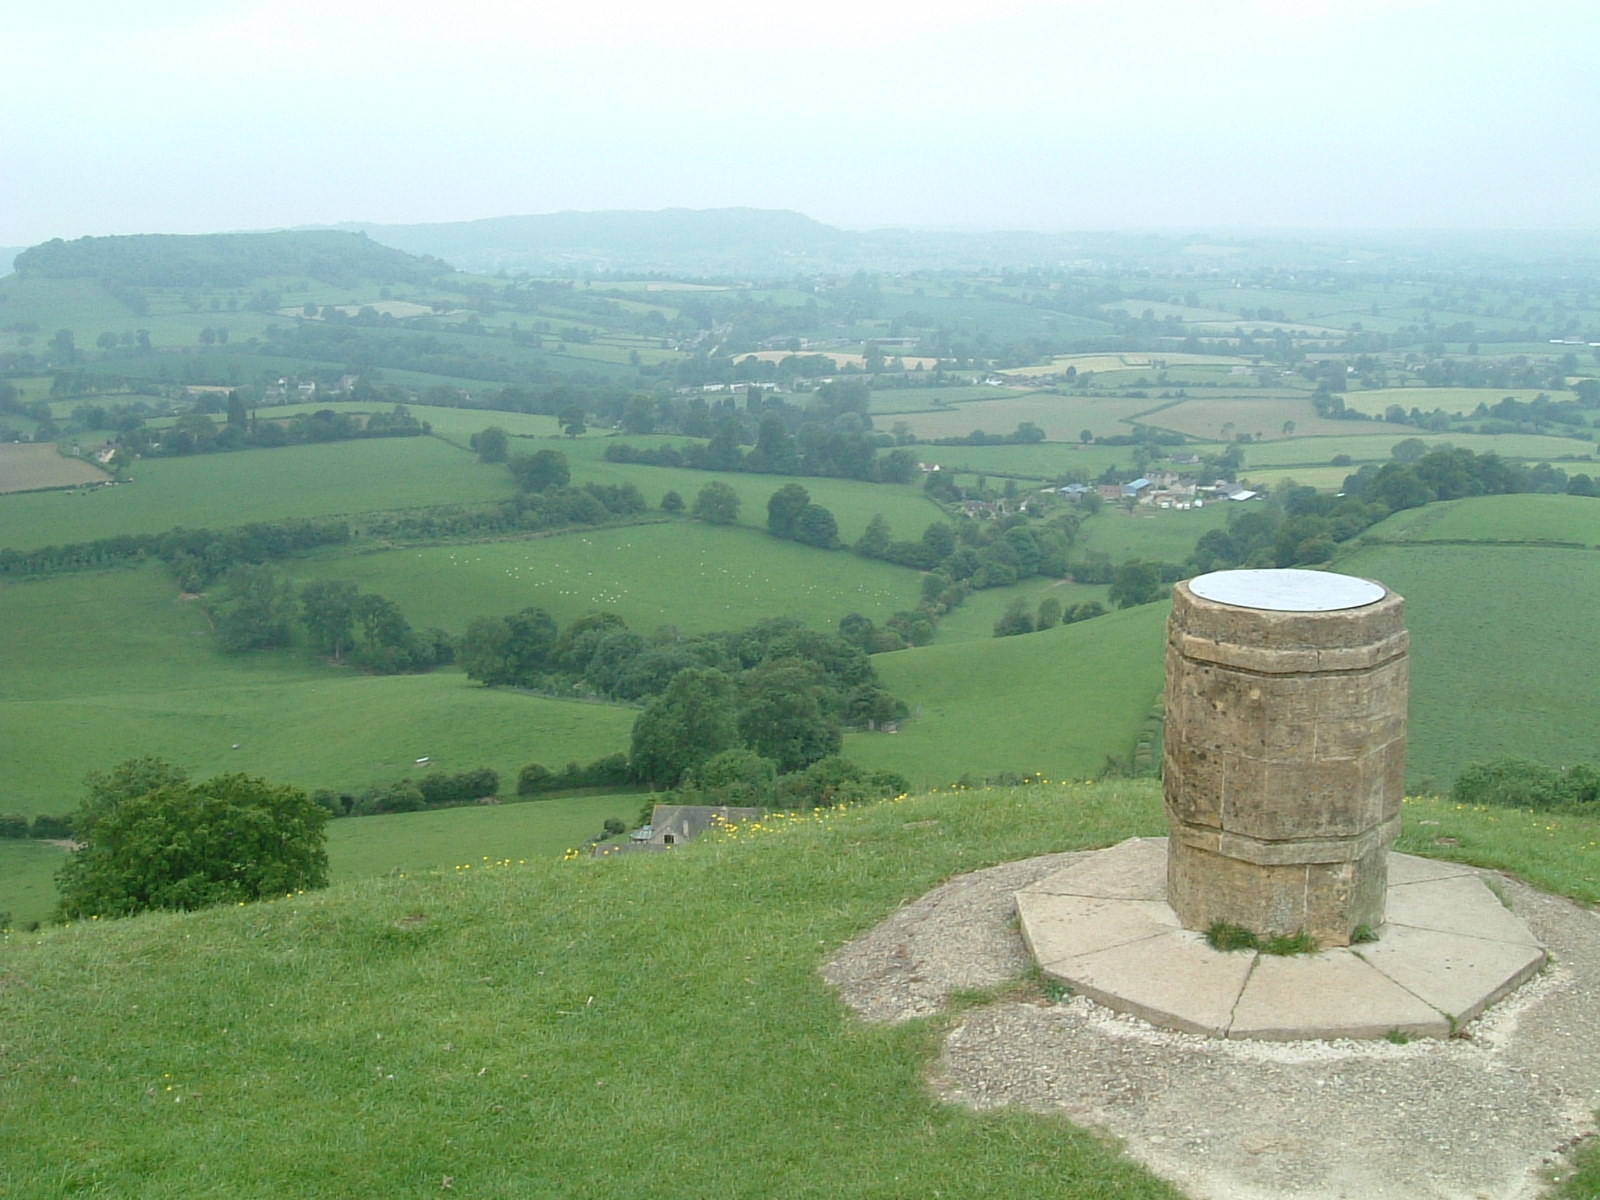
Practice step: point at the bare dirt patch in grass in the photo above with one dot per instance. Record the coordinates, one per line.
(31, 467)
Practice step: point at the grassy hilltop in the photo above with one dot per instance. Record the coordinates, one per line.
(510, 1029)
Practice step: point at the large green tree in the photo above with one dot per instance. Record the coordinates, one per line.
(491, 444)
(328, 609)
(717, 504)
(230, 839)
(541, 471)
(1134, 583)
(784, 715)
(784, 507)
(253, 608)
(692, 721)
(514, 649)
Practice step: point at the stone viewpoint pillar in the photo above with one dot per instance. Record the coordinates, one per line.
(1284, 752)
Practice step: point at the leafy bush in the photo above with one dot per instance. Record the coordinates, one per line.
(440, 790)
(1518, 783)
(50, 825)
(185, 846)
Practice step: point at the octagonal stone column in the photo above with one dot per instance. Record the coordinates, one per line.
(1284, 753)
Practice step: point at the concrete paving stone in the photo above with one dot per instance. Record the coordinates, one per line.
(1459, 976)
(1411, 868)
(1132, 870)
(1333, 994)
(1458, 904)
(1175, 980)
(1059, 928)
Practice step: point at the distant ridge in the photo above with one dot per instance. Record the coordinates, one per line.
(704, 241)
(224, 259)
(747, 243)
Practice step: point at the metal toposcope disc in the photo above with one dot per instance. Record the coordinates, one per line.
(1287, 590)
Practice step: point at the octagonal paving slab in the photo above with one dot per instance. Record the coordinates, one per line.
(1448, 949)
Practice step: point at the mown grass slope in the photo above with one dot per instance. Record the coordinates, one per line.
(553, 1029)
(1056, 702)
(105, 666)
(217, 491)
(1502, 632)
(640, 1026)
(685, 573)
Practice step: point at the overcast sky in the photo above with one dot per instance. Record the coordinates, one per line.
(190, 116)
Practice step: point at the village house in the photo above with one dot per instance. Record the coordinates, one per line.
(673, 824)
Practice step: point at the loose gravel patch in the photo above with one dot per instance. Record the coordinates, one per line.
(1483, 1116)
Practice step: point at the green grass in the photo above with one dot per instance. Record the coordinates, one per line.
(683, 573)
(1264, 416)
(466, 838)
(540, 1030)
(1378, 447)
(1056, 702)
(1555, 852)
(364, 847)
(455, 424)
(1451, 400)
(220, 490)
(1502, 645)
(28, 880)
(525, 1029)
(101, 667)
(1520, 518)
(974, 619)
(1041, 460)
(1061, 417)
(852, 502)
(1155, 534)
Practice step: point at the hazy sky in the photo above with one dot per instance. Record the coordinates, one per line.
(187, 116)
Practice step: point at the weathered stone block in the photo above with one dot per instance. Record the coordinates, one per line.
(1285, 755)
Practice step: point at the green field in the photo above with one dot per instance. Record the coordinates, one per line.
(101, 667)
(974, 619)
(683, 573)
(1154, 534)
(453, 424)
(1451, 400)
(1263, 418)
(1040, 460)
(216, 491)
(1573, 520)
(1061, 417)
(1056, 702)
(852, 503)
(1378, 447)
(1326, 479)
(464, 838)
(1502, 636)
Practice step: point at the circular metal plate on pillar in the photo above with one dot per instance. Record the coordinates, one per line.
(1287, 590)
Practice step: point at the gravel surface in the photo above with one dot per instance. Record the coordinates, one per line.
(1484, 1116)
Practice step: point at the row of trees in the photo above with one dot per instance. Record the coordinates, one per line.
(199, 433)
(813, 451)
(195, 556)
(1018, 617)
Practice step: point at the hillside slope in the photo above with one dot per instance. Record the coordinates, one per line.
(223, 259)
(1503, 604)
(1055, 703)
(645, 1026)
